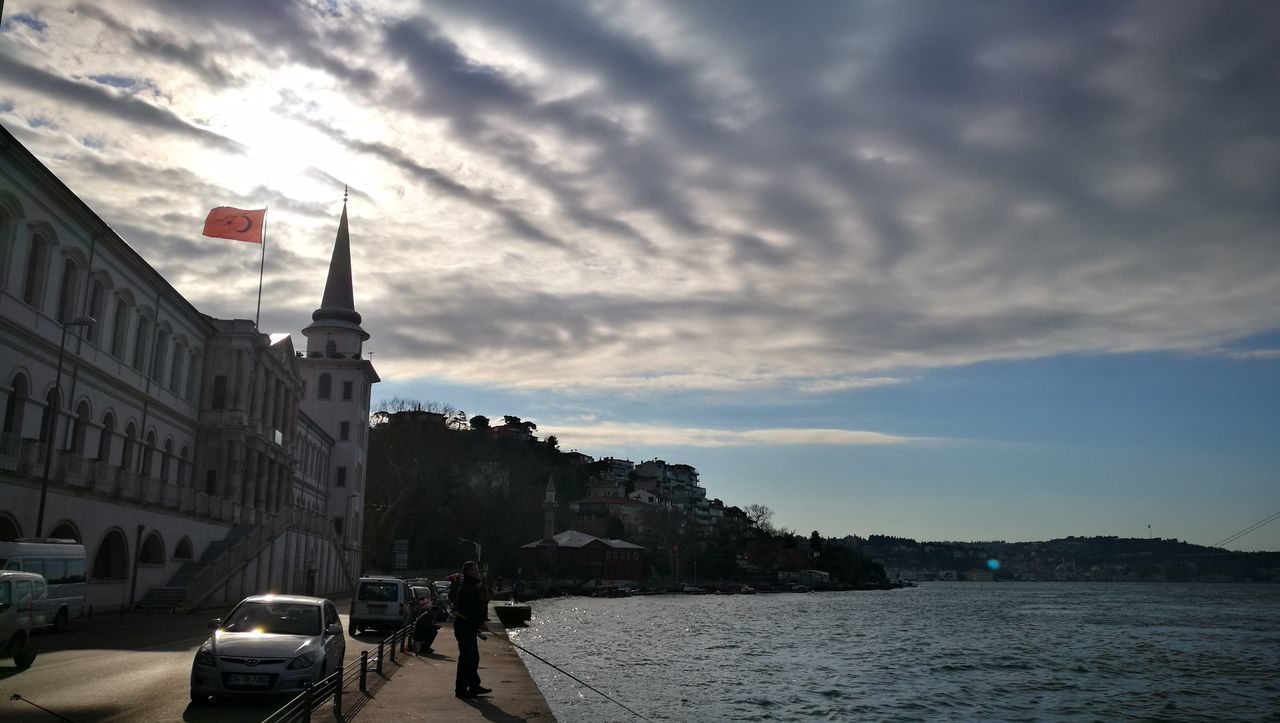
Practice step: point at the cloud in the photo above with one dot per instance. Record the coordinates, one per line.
(723, 196)
(612, 435)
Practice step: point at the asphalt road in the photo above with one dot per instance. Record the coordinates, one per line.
(132, 668)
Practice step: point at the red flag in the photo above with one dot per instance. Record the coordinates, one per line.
(235, 224)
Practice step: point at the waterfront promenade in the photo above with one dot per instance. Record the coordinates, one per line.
(420, 687)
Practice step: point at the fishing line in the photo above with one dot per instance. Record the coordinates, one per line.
(571, 675)
(1232, 538)
(61, 718)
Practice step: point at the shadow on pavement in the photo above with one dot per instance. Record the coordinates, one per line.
(492, 712)
(248, 711)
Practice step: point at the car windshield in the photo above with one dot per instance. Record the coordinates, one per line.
(274, 618)
(422, 592)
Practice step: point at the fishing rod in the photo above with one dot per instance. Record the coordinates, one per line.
(571, 675)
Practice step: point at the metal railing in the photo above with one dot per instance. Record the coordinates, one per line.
(216, 573)
(332, 687)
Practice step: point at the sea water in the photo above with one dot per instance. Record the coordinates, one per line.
(942, 651)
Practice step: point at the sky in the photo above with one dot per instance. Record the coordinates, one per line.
(949, 271)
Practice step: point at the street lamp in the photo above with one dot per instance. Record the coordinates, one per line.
(51, 431)
(473, 542)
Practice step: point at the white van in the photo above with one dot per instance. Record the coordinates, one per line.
(380, 603)
(20, 596)
(61, 564)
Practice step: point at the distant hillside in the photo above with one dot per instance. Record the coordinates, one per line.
(1071, 558)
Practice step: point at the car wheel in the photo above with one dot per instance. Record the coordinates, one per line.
(26, 654)
(60, 621)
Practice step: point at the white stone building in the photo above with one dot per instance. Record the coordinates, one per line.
(174, 446)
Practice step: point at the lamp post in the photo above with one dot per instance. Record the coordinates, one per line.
(473, 542)
(53, 418)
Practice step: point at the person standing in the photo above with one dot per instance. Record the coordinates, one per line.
(468, 621)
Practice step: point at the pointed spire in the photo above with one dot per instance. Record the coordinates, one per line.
(339, 299)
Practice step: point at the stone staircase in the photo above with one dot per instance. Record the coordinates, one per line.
(167, 597)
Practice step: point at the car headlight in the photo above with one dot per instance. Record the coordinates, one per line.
(306, 660)
(204, 656)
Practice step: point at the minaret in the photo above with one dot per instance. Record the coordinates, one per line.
(337, 383)
(335, 326)
(549, 506)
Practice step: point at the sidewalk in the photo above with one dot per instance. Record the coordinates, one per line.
(420, 687)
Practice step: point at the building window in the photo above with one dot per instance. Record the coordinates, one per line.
(220, 391)
(326, 386)
(344, 431)
(97, 307)
(346, 391)
(342, 476)
(140, 344)
(158, 358)
(193, 369)
(67, 299)
(175, 374)
(210, 481)
(119, 329)
(33, 282)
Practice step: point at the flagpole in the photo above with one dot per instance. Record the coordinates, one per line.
(261, 267)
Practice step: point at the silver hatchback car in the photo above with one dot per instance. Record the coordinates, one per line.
(269, 644)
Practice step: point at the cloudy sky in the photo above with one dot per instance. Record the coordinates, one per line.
(944, 270)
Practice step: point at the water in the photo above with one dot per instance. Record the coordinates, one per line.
(945, 651)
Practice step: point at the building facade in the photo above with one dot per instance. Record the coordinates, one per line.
(162, 439)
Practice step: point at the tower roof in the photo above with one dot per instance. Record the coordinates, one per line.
(338, 304)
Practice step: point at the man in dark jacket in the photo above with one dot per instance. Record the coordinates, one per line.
(468, 621)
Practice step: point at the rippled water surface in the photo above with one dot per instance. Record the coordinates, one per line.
(958, 651)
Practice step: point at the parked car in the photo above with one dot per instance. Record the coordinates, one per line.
(269, 644)
(380, 603)
(20, 595)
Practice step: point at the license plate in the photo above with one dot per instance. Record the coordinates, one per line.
(377, 608)
(248, 679)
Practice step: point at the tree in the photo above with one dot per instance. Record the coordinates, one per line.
(479, 423)
(815, 542)
(552, 442)
(761, 517)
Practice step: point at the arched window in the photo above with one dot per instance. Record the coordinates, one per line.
(33, 280)
(120, 329)
(97, 307)
(326, 387)
(184, 468)
(140, 343)
(193, 370)
(67, 297)
(15, 405)
(49, 421)
(175, 374)
(183, 550)
(104, 438)
(152, 550)
(79, 425)
(111, 562)
(65, 530)
(130, 441)
(331, 348)
(148, 451)
(9, 527)
(158, 359)
(6, 235)
(164, 460)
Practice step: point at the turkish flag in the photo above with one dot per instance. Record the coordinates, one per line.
(235, 224)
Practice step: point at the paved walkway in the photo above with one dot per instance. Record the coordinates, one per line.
(420, 687)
